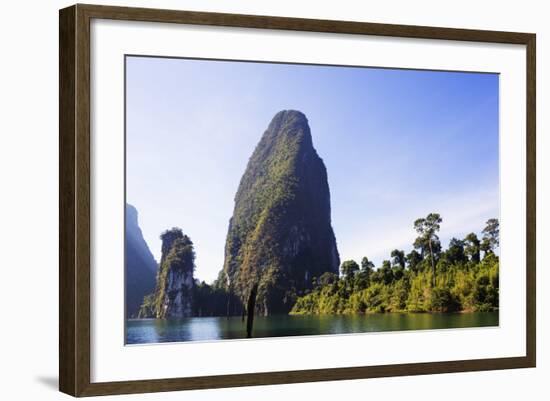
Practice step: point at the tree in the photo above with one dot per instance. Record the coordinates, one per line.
(386, 272)
(427, 229)
(398, 272)
(366, 265)
(363, 278)
(455, 252)
(491, 236)
(442, 300)
(398, 258)
(472, 247)
(327, 278)
(349, 268)
(463, 283)
(413, 260)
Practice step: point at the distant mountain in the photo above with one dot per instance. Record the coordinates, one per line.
(141, 267)
(280, 235)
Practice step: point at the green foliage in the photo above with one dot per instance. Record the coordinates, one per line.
(427, 239)
(463, 287)
(427, 229)
(413, 260)
(178, 256)
(213, 300)
(455, 253)
(472, 247)
(398, 258)
(442, 300)
(147, 308)
(366, 265)
(464, 283)
(491, 236)
(326, 279)
(349, 268)
(386, 273)
(280, 236)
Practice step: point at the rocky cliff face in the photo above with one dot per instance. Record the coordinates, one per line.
(173, 296)
(141, 267)
(280, 235)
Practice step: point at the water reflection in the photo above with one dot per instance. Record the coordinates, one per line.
(146, 331)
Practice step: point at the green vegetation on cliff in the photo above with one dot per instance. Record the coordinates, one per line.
(212, 300)
(456, 279)
(173, 294)
(280, 235)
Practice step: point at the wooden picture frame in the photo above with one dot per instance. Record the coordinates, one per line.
(74, 199)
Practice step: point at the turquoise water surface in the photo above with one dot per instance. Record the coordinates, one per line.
(143, 331)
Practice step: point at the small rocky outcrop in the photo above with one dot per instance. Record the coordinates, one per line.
(173, 297)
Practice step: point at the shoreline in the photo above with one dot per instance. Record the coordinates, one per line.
(323, 314)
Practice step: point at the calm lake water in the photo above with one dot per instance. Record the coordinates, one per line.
(145, 331)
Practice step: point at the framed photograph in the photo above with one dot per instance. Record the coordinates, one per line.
(250, 200)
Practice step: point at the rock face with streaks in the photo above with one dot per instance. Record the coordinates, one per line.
(280, 235)
(173, 297)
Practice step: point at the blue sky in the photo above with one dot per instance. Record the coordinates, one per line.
(397, 144)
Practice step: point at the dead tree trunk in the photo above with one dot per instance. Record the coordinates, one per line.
(228, 305)
(433, 265)
(250, 310)
(229, 295)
